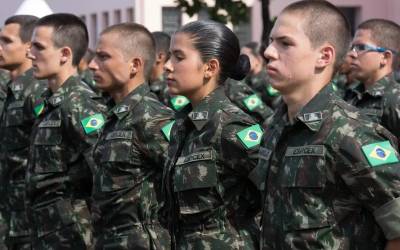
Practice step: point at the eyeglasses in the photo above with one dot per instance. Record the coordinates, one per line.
(366, 47)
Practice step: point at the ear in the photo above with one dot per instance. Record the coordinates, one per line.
(161, 57)
(66, 54)
(136, 66)
(212, 68)
(387, 58)
(326, 56)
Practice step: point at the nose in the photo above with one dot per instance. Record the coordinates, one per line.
(29, 54)
(270, 52)
(168, 66)
(93, 65)
(352, 54)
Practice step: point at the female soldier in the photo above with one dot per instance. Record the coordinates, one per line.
(210, 201)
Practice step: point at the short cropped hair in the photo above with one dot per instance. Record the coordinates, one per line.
(68, 30)
(162, 41)
(26, 23)
(385, 34)
(135, 39)
(324, 22)
(254, 48)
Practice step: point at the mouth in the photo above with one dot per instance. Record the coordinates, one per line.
(271, 69)
(170, 81)
(96, 78)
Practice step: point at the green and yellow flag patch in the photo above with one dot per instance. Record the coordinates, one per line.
(92, 123)
(251, 136)
(179, 101)
(38, 108)
(252, 102)
(380, 153)
(167, 130)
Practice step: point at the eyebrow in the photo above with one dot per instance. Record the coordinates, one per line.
(280, 37)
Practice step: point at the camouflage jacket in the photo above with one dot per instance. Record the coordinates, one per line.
(245, 98)
(210, 202)
(160, 89)
(381, 102)
(130, 156)
(329, 178)
(16, 127)
(4, 79)
(59, 180)
(261, 85)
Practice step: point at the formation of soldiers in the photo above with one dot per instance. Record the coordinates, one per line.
(191, 142)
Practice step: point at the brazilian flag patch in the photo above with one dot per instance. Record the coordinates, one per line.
(38, 108)
(271, 91)
(179, 101)
(251, 136)
(92, 123)
(380, 153)
(252, 102)
(167, 130)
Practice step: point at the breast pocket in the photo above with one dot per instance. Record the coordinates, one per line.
(195, 181)
(304, 189)
(15, 114)
(49, 155)
(120, 164)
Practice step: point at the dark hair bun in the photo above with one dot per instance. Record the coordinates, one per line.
(241, 68)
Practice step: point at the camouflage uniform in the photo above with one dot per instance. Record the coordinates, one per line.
(210, 202)
(160, 89)
(4, 79)
(245, 98)
(59, 180)
(329, 178)
(261, 85)
(381, 102)
(15, 131)
(129, 160)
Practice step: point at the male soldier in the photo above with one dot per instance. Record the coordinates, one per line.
(258, 79)
(157, 84)
(375, 52)
(331, 180)
(69, 118)
(16, 124)
(130, 153)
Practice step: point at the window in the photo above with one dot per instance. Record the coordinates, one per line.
(117, 16)
(93, 29)
(129, 15)
(243, 30)
(171, 19)
(106, 20)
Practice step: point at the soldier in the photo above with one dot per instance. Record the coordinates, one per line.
(131, 151)
(59, 180)
(257, 78)
(331, 179)
(344, 78)
(85, 73)
(16, 124)
(240, 94)
(210, 202)
(157, 82)
(4, 79)
(375, 53)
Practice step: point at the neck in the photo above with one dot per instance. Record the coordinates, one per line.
(119, 94)
(21, 69)
(299, 97)
(200, 94)
(376, 77)
(59, 79)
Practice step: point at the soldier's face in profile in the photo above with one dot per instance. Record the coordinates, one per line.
(12, 49)
(291, 58)
(46, 58)
(365, 64)
(185, 70)
(110, 68)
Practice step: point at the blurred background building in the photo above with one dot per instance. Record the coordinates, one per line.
(163, 14)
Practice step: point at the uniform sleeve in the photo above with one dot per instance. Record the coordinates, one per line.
(391, 119)
(154, 142)
(371, 170)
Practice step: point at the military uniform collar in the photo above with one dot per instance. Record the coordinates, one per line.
(130, 101)
(18, 84)
(312, 114)
(207, 107)
(59, 96)
(378, 89)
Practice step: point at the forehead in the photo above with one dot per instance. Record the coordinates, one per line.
(42, 33)
(181, 41)
(363, 35)
(289, 24)
(11, 29)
